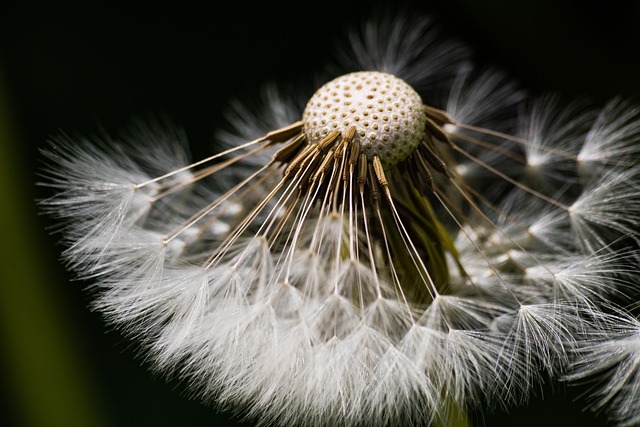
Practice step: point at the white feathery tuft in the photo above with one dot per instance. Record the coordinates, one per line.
(610, 362)
(613, 139)
(607, 209)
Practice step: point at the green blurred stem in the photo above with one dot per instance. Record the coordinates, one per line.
(453, 416)
(47, 384)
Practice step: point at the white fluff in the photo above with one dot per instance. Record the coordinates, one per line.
(610, 361)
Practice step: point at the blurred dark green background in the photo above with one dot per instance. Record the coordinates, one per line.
(93, 65)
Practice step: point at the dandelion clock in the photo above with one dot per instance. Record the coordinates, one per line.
(411, 239)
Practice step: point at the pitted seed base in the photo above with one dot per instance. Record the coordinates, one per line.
(388, 114)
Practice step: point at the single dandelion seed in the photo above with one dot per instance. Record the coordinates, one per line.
(384, 255)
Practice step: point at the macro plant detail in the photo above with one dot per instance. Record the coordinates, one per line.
(421, 239)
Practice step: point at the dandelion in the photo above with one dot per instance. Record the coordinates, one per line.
(419, 240)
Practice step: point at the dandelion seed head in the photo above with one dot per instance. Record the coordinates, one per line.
(377, 257)
(386, 112)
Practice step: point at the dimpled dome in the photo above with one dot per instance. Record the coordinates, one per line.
(388, 114)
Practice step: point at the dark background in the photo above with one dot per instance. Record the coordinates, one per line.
(83, 67)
